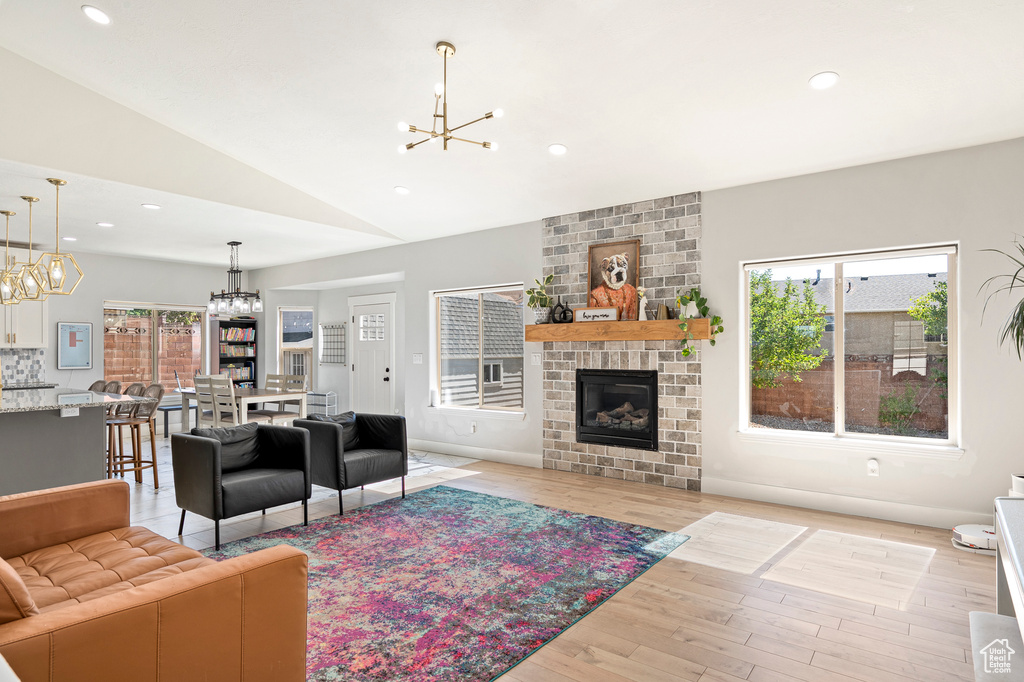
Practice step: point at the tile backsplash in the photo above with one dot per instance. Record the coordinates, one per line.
(23, 366)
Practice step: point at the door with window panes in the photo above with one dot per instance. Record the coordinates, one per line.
(372, 373)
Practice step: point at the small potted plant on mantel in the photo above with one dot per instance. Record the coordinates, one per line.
(691, 306)
(540, 301)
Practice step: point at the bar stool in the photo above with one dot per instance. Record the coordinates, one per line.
(98, 385)
(116, 416)
(143, 414)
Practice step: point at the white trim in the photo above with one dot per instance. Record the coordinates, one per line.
(854, 256)
(878, 445)
(489, 289)
(140, 305)
(936, 517)
(478, 412)
(391, 298)
(838, 352)
(279, 339)
(526, 459)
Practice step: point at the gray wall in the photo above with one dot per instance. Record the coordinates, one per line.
(971, 196)
(499, 256)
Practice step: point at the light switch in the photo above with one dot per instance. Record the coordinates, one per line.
(537, 359)
(417, 358)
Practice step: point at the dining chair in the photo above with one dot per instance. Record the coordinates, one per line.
(283, 382)
(217, 404)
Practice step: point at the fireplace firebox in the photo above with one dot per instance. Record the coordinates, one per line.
(617, 407)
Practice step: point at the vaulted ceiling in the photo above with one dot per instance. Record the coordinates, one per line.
(275, 122)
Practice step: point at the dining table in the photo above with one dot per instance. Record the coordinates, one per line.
(244, 397)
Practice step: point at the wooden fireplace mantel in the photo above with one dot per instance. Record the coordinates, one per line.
(627, 330)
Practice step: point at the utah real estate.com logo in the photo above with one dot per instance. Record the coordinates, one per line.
(997, 656)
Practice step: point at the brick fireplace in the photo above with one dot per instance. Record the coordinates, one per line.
(669, 230)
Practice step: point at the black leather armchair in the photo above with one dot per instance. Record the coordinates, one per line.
(382, 452)
(230, 471)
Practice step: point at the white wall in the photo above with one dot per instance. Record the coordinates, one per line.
(112, 278)
(499, 256)
(972, 196)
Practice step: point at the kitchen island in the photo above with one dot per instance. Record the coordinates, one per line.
(53, 436)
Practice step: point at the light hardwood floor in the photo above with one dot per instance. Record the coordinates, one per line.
(863, 599)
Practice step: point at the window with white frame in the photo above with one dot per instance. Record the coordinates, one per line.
(858, 345)
(295, 342)
(480, 348)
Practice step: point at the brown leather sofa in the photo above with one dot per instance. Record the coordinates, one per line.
(83, 597)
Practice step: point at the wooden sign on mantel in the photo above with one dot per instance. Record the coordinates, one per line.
(595, 314)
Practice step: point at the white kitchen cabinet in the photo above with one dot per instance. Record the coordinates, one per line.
(25, 324)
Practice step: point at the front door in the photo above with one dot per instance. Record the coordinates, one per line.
(372, 373)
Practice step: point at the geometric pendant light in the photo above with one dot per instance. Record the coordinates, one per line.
(9, 292)
(58, 272)
(26, 274)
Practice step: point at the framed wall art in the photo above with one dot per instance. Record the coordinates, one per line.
(74, 345)
(612, 277)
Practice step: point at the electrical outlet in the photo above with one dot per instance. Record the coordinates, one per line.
(472, 427)
(417, 358)
(536, 359)
(872, 467)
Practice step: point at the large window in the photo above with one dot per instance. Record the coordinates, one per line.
(151, 344)
(480, 348)
(860, 345)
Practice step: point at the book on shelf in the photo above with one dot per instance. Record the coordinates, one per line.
(237, 351)
(237, 334)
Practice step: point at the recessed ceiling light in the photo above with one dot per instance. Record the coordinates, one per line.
(69, 239)
(401, 190)
(558, 149)
(105, 224)
(823, 80)
(151, 207)
(96, 14)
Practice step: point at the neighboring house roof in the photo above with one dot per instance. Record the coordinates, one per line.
(878, 293)
(503, 327)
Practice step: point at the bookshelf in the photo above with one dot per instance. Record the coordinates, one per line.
(234, 349)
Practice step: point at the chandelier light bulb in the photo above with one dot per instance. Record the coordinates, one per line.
(403, 127)
(401, 149)
(222, 305)
(439, 89)
(211, 307)
(493, 146)
(498, 113)
(246, 307)
(257, 305)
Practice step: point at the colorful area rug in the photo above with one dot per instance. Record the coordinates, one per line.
(453, 585)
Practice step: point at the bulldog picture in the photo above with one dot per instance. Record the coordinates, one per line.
(613, 277)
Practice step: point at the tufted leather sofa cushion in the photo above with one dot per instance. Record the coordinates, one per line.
(15, 600)
(101, 564)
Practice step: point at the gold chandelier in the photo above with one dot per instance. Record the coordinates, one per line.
(53, 273)
(59, 272)
(9, 292)
(446, 50)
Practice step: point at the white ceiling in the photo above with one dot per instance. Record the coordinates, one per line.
(652, 97)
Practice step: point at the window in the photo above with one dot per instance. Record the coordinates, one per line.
(295, 342)
(480, 348)
(371, 327)
(858, 345)
(492, 373)
(149, 344)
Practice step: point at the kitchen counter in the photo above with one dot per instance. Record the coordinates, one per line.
(27, 385)
(53, 436)
(36, 399)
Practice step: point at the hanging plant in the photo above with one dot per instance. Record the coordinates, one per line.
(693, 305)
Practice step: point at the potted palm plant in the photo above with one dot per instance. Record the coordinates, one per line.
(540, 300)
(1013, 327)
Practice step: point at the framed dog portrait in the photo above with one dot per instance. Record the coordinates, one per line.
(612, 277)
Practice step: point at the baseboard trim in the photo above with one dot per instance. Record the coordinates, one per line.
(937, 517)
(525, 459)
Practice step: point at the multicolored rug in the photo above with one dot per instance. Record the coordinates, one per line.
(453, 585)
